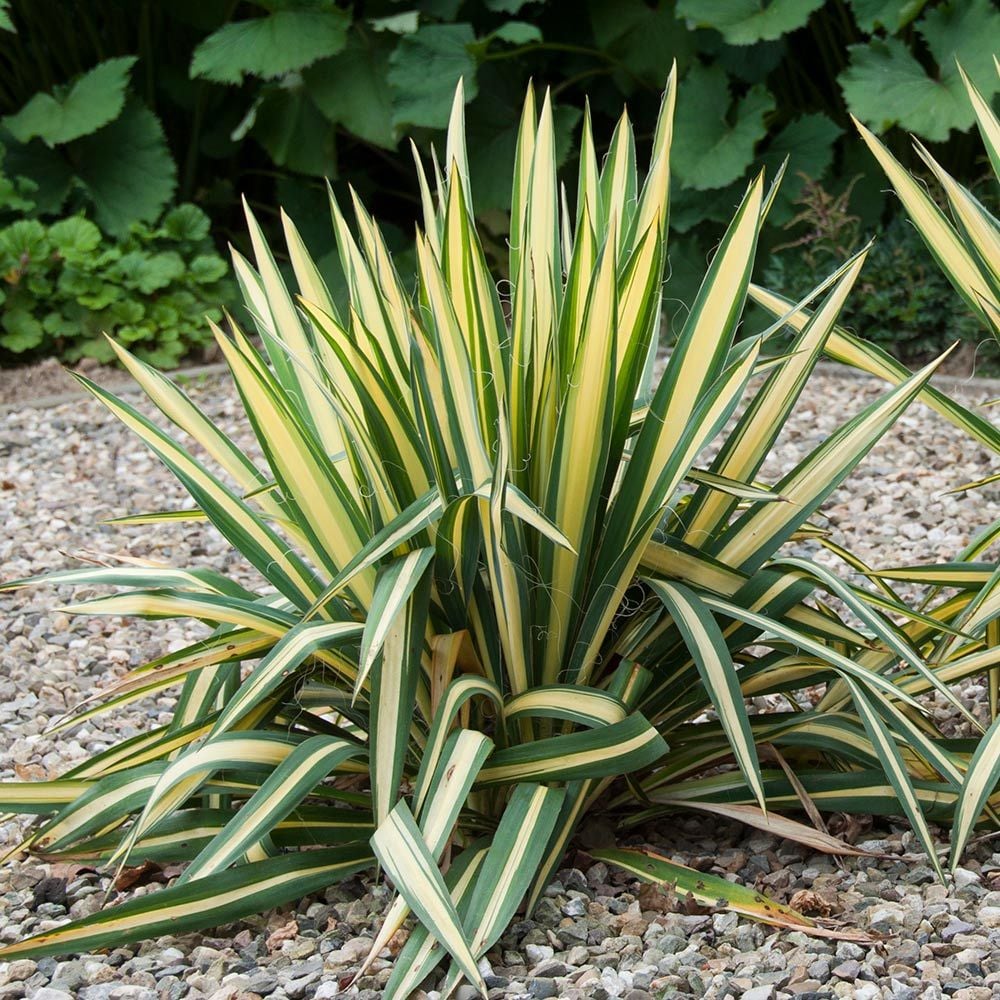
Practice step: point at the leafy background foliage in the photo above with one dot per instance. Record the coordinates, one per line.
(903, 303)
(129, 106)
(65, 282)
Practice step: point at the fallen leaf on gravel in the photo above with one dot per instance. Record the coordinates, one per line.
(29, 772)
(397, 941)
(848, 826)
(811, 903)
(652, 897)
(68, 870)
(142, 874)
(287, 932)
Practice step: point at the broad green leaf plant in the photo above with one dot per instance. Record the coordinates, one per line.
(500, 588)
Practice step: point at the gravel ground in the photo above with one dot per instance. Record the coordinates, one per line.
(596, 934)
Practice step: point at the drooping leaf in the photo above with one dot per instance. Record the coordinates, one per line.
(424, 69)
(743, 22)
(352, 89)
(270, 46)
(126, 169)
(714, 141)
(94, 99)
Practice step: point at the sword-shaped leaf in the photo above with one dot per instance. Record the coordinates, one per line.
(707, 645)
(980, 783)
(227, 897)
(281, 792)
(396, 676)
(622, 747)
(399, 846)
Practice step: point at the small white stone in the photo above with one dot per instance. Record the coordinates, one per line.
(759, 993)
(536, 953)
(963, 878)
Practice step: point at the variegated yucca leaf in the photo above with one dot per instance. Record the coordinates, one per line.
(506, 576)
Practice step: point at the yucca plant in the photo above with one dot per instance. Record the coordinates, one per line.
(967, 247)
(497, 590)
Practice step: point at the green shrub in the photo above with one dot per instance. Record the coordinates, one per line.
(966, 246)
(496, 591)
(65, 284)
(903, 301)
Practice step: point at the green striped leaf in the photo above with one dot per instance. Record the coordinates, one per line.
(182, 836)
(844, 347)
(459, 691)
(105, 803)
(514, 854)
(401, 601)
(707, 645)
(755, 535)
(139, 576)
(301, 641)
(394, 586)
(183, 776)
(896, 772)
(422, 952)
(980, 783)
(265, 550)
(513, 857)
(287, 785)
(579, 705)
(616, 749)
(227, 897)
(745, 449)
(883, 628)
(400, 848)
(938, 233)
(828, 654)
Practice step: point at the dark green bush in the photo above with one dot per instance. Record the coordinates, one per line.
(66, 282)
(903, 302)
